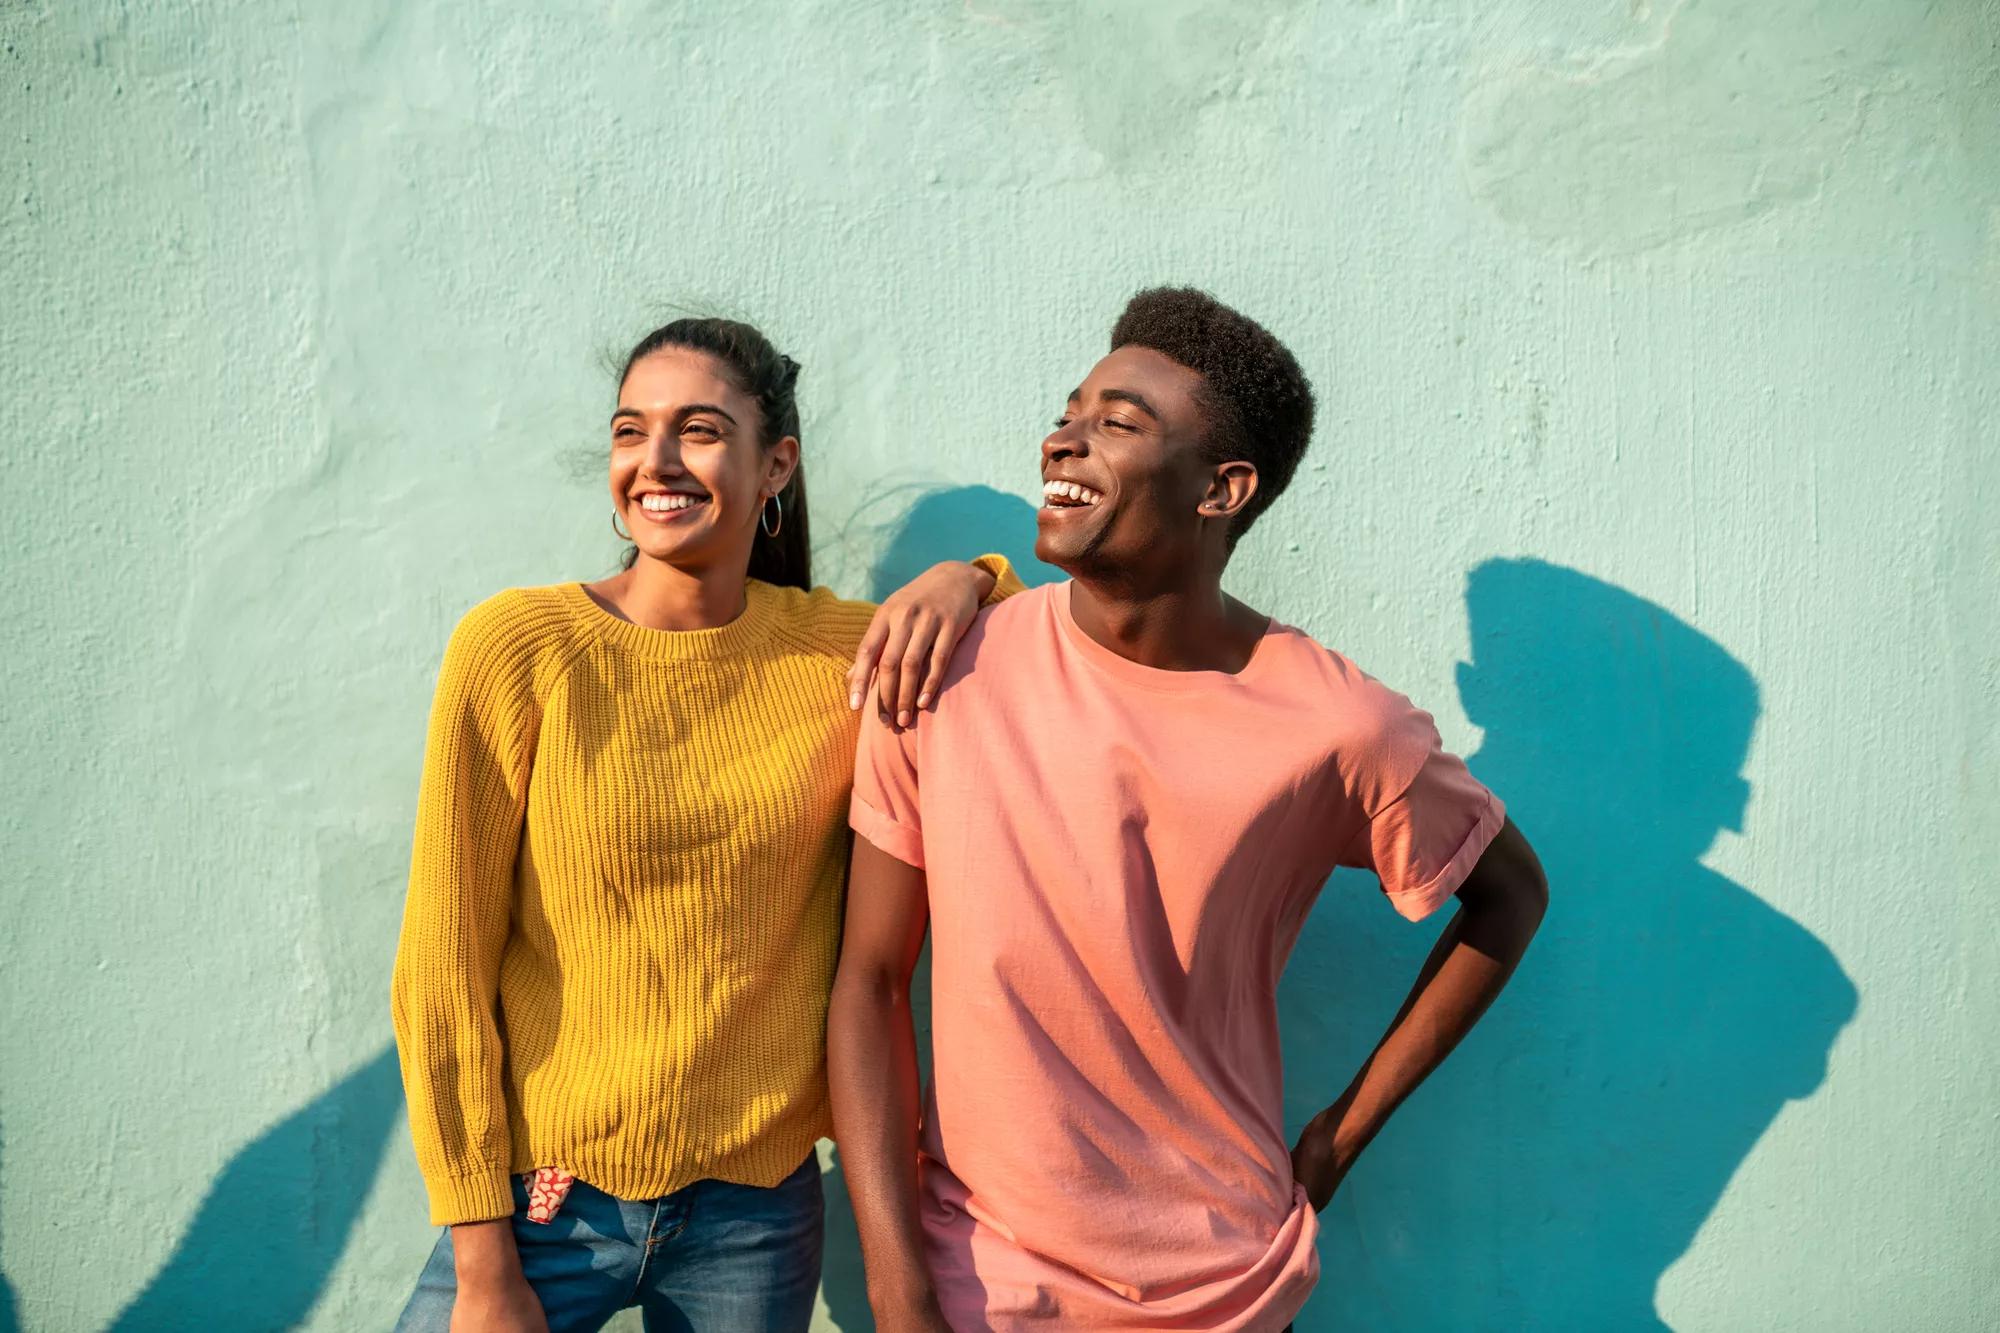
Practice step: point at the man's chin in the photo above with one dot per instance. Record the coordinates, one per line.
(1054, 551)
(1073, 539)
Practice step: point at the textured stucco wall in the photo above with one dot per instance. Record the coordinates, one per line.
(1659, 353)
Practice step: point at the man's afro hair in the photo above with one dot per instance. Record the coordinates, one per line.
(1259, 403)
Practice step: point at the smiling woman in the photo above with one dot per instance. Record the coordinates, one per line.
(624, 907)
(676, 397)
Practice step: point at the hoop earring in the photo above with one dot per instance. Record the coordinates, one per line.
(623, 536)
(764, 517)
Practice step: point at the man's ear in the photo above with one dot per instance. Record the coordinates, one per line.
(1229, 490)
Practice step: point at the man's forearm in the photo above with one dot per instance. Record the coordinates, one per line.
(872, 1075)
(1466, 969)
(1502, 902)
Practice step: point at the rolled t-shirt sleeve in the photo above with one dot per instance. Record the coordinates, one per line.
(1424, 840)
(884, 808)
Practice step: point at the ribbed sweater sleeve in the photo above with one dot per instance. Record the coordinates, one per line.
(455, 922)
(1005, 581)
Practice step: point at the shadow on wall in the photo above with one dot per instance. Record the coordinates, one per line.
(1564, 1158)
(957, 523)
(259, 1249)
(953, 523)
(10, 1314)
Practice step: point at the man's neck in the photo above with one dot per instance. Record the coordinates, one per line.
(1190, 627)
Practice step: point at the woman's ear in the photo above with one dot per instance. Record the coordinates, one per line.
(1229, 490)
(779, 465)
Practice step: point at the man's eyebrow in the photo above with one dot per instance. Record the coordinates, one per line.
(1137, 400)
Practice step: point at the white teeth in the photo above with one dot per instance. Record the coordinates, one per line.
(659, 503)
(1069, 490)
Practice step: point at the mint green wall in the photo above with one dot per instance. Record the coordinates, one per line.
(1658, 348)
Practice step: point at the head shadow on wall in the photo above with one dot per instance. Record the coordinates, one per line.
(1566, 1155)
(958, 523)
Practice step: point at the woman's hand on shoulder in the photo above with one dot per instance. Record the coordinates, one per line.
(910, 641)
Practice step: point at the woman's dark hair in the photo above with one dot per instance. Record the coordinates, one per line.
(772, 378)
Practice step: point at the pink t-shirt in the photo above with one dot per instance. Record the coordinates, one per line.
(1119, 860)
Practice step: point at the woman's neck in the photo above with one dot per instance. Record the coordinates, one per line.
(657, 595)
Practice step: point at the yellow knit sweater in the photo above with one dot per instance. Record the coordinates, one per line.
(625, 895)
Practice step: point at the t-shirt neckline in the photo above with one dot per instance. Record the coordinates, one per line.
(1148, 677)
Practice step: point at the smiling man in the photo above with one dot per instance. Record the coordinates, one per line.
(1131, 791)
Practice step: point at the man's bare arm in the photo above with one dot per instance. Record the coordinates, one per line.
(871, 1055)
(1500, 908)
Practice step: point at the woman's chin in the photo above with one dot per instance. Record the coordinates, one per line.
(670, 549)
(699, 549)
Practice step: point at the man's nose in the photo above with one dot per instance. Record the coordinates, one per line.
(1062, 444)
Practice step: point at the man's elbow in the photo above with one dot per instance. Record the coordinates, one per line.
(1524, 884)
(1532, 895)
(1508, 885)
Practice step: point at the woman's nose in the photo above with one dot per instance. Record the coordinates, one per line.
(663, 455)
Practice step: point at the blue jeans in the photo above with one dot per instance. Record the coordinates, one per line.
(710, 1258)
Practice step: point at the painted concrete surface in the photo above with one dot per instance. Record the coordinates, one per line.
(1656, 351)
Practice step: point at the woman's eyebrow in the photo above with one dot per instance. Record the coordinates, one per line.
(680, 413)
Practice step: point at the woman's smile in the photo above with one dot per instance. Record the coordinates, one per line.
(667, 506)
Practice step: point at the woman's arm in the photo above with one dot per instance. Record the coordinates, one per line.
(455, 923)
(910, 641)
(494, 1295)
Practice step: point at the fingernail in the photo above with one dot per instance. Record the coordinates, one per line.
(854, 699)
(903, 718)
